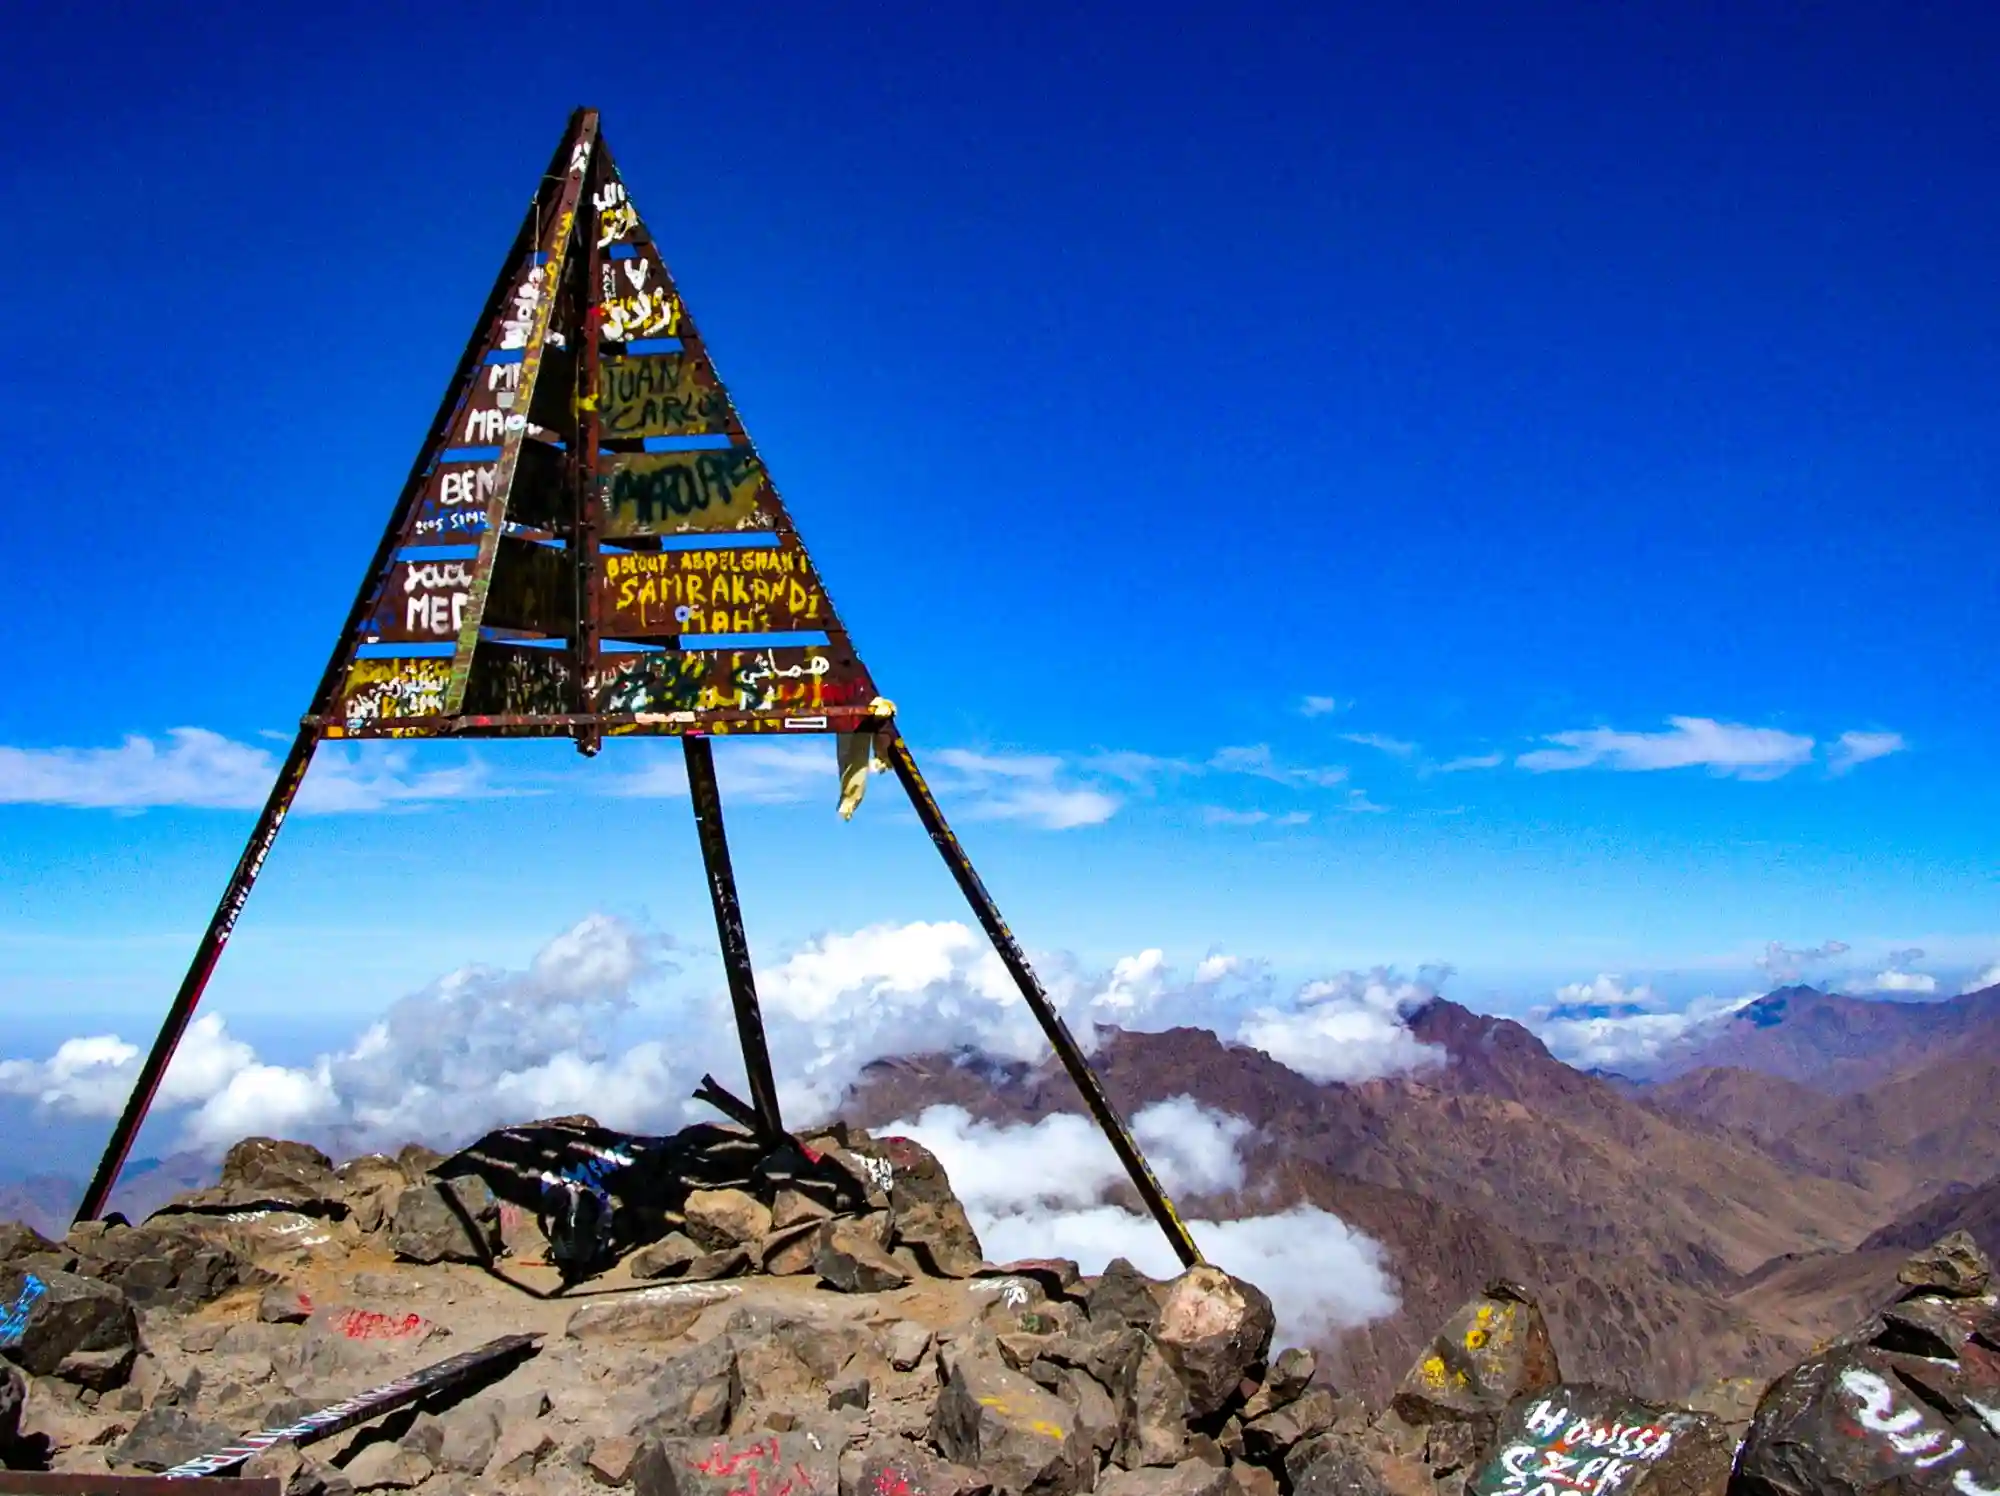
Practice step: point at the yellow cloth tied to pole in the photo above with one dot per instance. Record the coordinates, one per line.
(855, 752)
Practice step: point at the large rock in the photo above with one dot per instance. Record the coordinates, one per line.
(804, 1462)
(669, 1257)
(164, 1437)
(67, 1326)
(1122, 1296)
(1335, 1465)
(1853, 1422)
(896, 1467)
(18, 1241)
(446, 1220)
(718, 1220)
(13, 1398)
(1215, 1330)
(696, 1393)
(1494, 1350)
(170, 1262)
(942, 1238)
(1155, 1407)
(652, 1314)
(1953, 1265)
(996, 1421)
(369, 1186)
(1286, 1381)
(1577, 1437)
(270, 1165)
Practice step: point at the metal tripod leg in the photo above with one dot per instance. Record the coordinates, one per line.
(707, 798)
(1051, 1021)
(290, 776)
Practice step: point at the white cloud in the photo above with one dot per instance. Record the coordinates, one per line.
(1256, 759)
(754, 770)
(1139, 771)
(1783, 963)
(1321, 706)
(1990, 977)
(1026, 787)
(481, 1046)
(1036, 1190)
(1359, 803)
(1897, 976)
(1396, 747)
(1853, 748)
(193, 768)
(1472, 761)
(1725, 749)
(1347, 1027)
(1606, 1024)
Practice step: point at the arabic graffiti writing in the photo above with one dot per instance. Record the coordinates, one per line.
(367, 1324)
(635, 300)
(777, 680)
(615, 215)
(14, 1318)
(758, 1470)
(394, 687)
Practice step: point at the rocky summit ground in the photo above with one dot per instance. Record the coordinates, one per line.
(818, 1320)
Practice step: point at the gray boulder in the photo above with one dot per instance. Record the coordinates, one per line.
(68, 1326)
(994, 1420)
(446, 1220)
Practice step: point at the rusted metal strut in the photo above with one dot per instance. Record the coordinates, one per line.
(1016, 961)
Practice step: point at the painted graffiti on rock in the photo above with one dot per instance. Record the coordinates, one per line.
(1910, 1430)
(14, 1318)
(368, 1324)
(1568, 1454)
(754, 590)
(759, 1469)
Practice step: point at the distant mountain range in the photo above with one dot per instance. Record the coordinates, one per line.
(1720, 1217)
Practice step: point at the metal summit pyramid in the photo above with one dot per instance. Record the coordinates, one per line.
(589, 546)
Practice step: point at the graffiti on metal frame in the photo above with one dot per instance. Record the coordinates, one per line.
(785, 683)
(730, 590)
(662, 394)
(672, 493)
(393, 687)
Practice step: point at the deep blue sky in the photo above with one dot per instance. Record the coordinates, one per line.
(1144, 382)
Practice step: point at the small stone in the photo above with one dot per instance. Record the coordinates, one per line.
(730, 1262)
(790, 1252)
(847, 1392)
(1252, 1480)
(847, 1259)
(388, 1467)
(1189, 1478)
(13, 1397)
(282, 1306)
(696, 1393)
(1953, 1265)
(905, 1343)
(1267, 1438)
(519, 1451)
(471, 1432)
(666, 1258)
(1123, 1296)
(1291, 1373)
(611, 1459)
(801, 1462)
(792, 1208)
(896, 1467)
(446, 1220)
(721, 1219)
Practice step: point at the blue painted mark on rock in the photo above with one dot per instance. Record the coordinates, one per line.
(14, 1319)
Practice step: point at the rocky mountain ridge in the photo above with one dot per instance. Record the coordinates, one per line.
(817, 1319)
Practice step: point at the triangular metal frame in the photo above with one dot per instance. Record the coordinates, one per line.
(585, 437)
